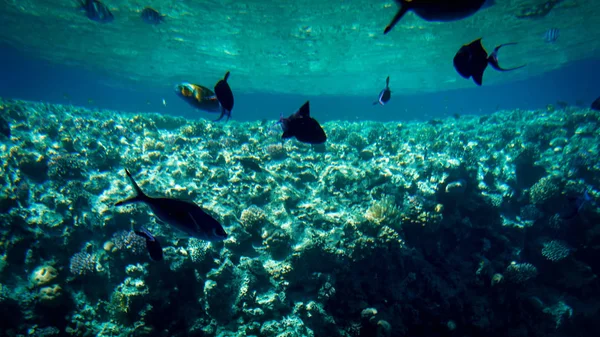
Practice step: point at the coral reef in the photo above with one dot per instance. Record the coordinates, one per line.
(451, 228)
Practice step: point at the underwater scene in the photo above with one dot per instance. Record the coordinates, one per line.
(327, 168)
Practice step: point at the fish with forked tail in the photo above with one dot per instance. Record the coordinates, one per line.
(225, 97)
(385, 95)
(303, 127)
(472, 59)
(152, 245)
(185, 216)
(436, 10)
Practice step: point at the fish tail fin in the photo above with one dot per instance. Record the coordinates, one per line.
(139, 196)
(224, 112)
(493, 59)
(396, 18)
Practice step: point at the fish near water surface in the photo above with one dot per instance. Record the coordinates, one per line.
(436, 10)
(385, 95)
(152, 16)
(185, 216)
(303, 127)
(96, 11)
(225, 96)
(198, 96)
(472, 59)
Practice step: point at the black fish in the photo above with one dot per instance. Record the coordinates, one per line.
(574, 206)
(183, 215)
(152, 16)
(4, 127)
(225, 97)
(472, 59)
(436, 10)
(305, 128)
(152, 245)
(385, 94)
(596, 104)
(96, 10)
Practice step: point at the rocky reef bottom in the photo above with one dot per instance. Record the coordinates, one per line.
(466, 226)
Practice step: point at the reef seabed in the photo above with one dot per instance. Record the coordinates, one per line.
(470, 226)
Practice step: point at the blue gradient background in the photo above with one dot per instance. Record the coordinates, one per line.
(25, 77)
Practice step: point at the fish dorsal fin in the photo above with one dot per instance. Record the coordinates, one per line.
(387, 82)
(304, 110)
(477, 47)
(226, 76)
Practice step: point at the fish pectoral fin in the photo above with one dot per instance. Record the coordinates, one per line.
(396, 19)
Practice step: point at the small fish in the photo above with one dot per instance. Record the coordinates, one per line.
(4, 127)
(164, 102)
(198, 96)
(575, 205)
(152, 245)
(152, 16)
(596, 104)
(225, 96)
(472, 59)
(551, 35)
(305, 128)
(96, 11)
(185, 216)
(385, 94)
(436, 10)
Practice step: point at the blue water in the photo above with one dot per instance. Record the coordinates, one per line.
(25, 77)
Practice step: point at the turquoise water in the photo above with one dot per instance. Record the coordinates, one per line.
(453, 210)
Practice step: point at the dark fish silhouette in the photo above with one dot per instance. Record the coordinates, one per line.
(385, 94)
(575, 205)
(305, 128)
(472, 59)
(4, 127)
(596, 104)
(183, 215)
(225, 96)
(96, 10)
(436, 10)
(198, 96)
(152, 245)
(152, 16)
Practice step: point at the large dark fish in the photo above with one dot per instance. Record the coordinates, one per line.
(96, 10)
(225, 96)
(198, 96)
(596, 104)
(385, 94)
(183, 215)
(152, 245)
(472, 59)
(305, 128)
(436, 10)
(152, 16)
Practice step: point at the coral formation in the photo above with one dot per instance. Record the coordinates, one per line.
(449, 228)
